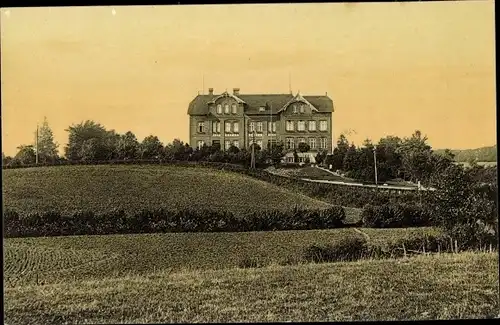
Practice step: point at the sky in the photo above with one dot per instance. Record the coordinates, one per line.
(390, 68)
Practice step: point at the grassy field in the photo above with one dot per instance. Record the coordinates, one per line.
(54, 259)
(442, 286)
(101, 188)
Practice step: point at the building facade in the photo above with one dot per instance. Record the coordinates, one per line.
(242, 119)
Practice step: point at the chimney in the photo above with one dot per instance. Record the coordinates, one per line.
(236, 91)
(210, 91)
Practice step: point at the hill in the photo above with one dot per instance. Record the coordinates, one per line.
(132, 187)
(484, 154)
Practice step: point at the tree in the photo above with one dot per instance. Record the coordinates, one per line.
(177, 150)
(26, 155)
(350, 159)
(81, 134)
(465, 210)
(304, 147)
(89, 150)
(416, 157)
(320, 157)
(128, 146)
(275, 152)
(151, 147)
(47, 148)
(388, 158)
(6, 160)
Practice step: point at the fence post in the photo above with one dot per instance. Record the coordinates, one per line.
(404, 250)
(456, 247)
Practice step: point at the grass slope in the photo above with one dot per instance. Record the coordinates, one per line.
(130, 188)
(54, 259)
(425, 287)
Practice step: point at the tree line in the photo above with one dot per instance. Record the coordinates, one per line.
(410, 158)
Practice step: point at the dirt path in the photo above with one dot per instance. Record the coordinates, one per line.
(362, 233)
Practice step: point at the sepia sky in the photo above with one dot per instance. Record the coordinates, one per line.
(390, 68)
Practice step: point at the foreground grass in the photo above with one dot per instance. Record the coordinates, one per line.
(56, 259)
(426, 287)
(101, 188)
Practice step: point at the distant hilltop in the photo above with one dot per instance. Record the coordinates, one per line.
(483, 154)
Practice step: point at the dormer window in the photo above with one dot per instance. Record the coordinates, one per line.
(219, 109)
(226, 108)
(233, 108)
(294, 109)
(262, 109)
(302, 108)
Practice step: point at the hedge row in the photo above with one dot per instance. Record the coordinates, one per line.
(396, 215)
(332, 193)
(164, 221)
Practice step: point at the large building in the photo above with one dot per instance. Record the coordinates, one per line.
(240, 119)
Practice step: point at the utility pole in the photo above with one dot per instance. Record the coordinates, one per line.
(36, 146)
(252, 162)
(375, 160)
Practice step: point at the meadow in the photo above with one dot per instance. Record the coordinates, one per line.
(218, 277)
(55, 259)
(131, 188)
(444, 286)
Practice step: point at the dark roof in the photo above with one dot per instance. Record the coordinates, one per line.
(198, 106)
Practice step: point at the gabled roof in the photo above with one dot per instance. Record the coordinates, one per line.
(226, 94)
(273, 103)
(298, 98)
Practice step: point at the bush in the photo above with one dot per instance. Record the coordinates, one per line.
(351, 249)
(52, 223)
(395, 215)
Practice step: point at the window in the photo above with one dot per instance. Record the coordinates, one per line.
(201, 127)
(322, 143)
(301, 126)
(226, 108)
(252, 126)
(289, 125)
(290, 144)
(227, 144)
(215, 127)
(236, 143)
(216, 143)
(227, 127)
(323, 125)
(302, 108)
(312, 125)
(302, 140)
(259, 127)
(271, 127)
(236, 127)
(289, 159)
(295, 109)
(200, 144)
(312, 143)
(271, 143)
(219, 109)
(233, 108)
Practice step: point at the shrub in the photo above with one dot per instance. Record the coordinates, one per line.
(351, 249)
(395, 215)
(52, 223)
